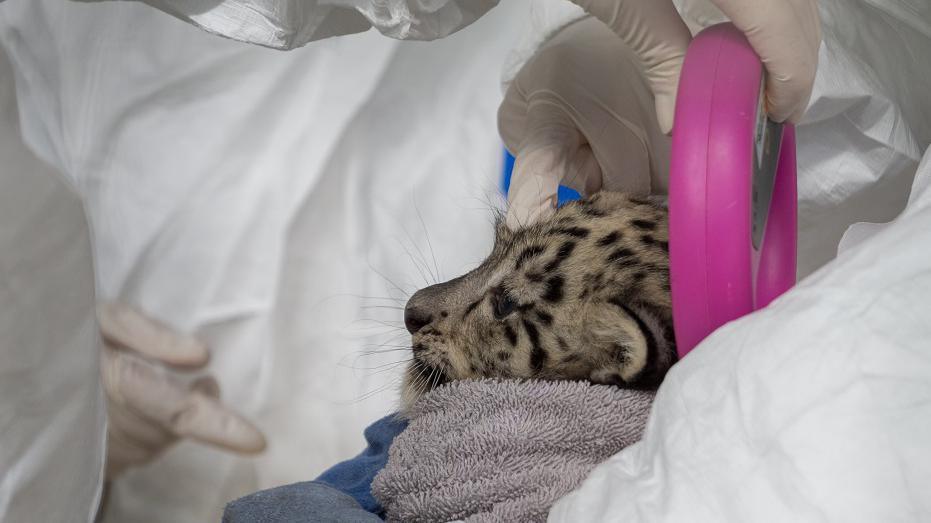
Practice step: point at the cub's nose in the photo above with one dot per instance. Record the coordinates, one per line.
(415, 318)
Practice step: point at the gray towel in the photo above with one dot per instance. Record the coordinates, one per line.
(504, 450)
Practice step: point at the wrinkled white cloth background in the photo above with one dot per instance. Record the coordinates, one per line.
(249, 196)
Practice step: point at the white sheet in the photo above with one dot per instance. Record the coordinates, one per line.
(250, 195)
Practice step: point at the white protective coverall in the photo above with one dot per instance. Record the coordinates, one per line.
(239, 193)
(51, 405)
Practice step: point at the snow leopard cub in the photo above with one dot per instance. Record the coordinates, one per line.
(583, 295)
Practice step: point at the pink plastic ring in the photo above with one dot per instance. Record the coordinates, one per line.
(716, 273)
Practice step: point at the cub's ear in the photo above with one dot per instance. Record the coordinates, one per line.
(617, 345)
(630, 342)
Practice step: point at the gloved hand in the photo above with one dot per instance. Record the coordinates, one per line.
(580, 112)
(150, 405)
(786, 35)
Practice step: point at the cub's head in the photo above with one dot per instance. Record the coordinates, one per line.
(583, 295)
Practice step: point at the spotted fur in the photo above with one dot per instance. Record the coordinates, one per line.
(582, 295)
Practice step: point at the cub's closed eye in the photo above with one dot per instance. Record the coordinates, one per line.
(502, 304)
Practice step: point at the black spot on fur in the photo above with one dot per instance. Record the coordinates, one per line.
(534, 276)
(545, 317)
(639, 276)
(524, 307)
(651, 374)
(588, 210)
(619, 353)
(609, 239)
(664, 246)
(528, 254)
(620, 254)
(614, 379)
(511, 335)
(564, 252)
(647, 225)
(563, 346)
(571, 358)
(626, 262)
(648, 239)
(419, 347)
(504, 355)
(577, 232)
(554, 289)
(669, 334)
(472, 307)
(532, 332)
(444, 314)
(537, 354)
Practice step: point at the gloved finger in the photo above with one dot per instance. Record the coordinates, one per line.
(533, 189)
(125, 327)
(533, 196)
(658, 36)
(544, 158)
(584, 173)
(786, 35)
(165, 401)
(205, 419)
(133, 382)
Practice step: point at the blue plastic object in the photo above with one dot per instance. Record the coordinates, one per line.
(564, 195)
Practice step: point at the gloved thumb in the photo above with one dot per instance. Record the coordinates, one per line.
(552, 151)
(658, 36)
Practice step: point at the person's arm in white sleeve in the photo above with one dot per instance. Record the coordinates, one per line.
(562, 140)
(288, 24)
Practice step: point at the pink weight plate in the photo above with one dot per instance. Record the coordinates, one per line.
(732, 196)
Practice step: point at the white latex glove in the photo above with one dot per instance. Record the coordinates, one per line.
(149, 404)
(580, 112)
(786, 35)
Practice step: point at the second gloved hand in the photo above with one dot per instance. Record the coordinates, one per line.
(576, 112)
(580, 113)
(149, 404)
(786, 34)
